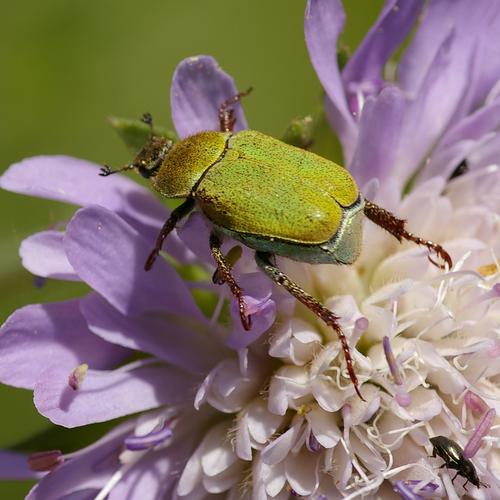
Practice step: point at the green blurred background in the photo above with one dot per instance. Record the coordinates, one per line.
(67, 65)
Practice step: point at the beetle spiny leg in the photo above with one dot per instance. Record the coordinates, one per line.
(226, 114)
(396, 227)
(312, 304)
(177, 214)
(231, 258)
(224, 271)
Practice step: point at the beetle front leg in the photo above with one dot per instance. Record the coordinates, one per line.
(176, 215)
(263, 261)
(226, 113)
(224, 270)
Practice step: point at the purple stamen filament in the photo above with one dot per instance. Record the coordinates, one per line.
(313, 444)
(482, 429)
(406, 492)
(136, 443)
(425, 488)
(391, 361)
(475, 403)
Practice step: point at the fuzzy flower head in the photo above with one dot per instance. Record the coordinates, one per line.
(271, 412)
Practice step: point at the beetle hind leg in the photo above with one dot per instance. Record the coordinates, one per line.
(396, 227)
(327, 316)
(226, 112)
(224, 275)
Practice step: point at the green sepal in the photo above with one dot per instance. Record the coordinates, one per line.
(135, 133)
(326, 143)
(300, 132)
(344, 53)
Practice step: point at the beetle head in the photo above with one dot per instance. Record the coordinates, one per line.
(150, 157)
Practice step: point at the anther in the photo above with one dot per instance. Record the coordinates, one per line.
(44, 461)
(77, 375)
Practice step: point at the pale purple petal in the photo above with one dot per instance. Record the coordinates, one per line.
(379, 136)
(477, 25)
(39, 336)
(105, 395)
(387, 33)
(474, 126)
(109, 255)
(89, 468)
(302, 471)
(195, 234)
(14, 467)
(76, 181)
(199, 87)
(435, 27)
(485, 25)
(430, 112)
(463, 139)
(257, 290)
(153, 477)
(324, 21)
(475, 403)
(43, 255)
(182, 342)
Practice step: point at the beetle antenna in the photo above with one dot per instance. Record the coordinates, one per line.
(396, 227)
(106, 170)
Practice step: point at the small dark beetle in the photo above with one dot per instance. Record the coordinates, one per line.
(453, 457)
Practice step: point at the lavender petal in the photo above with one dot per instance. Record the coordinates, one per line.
(109, 255)
(324, 21)
(14, 467)
(38, 336)
(462, 140)
(102, 396)
(387, 33)
(165, 335)
(43, 255)
(372, 158)
(430, 112)
(89, 468)
(199, 87)
(136, 443)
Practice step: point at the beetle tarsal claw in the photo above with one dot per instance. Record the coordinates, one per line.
(105, 171)
(246, 319)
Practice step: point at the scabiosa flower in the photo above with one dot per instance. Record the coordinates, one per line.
(271, 413)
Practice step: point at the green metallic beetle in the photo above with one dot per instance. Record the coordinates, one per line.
(274, 198)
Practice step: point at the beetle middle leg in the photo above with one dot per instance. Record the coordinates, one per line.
(279, 277)
(176, 215)
(226, 112)
(224, 270)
